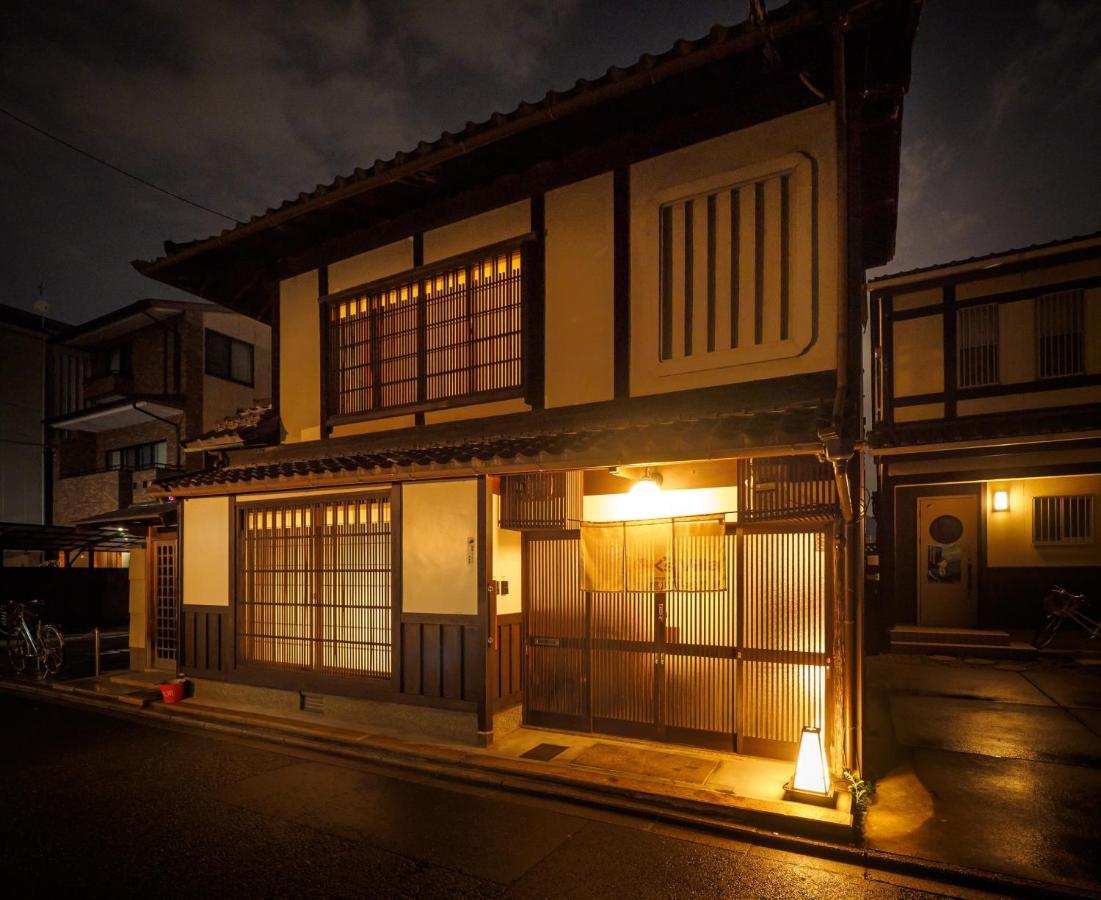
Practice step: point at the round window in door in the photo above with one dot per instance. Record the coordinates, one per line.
(944, 556)
(946, 529)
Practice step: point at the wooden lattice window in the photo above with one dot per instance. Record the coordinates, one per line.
(977, 337)
(314, 588)
(442, 335)
(1060, 334)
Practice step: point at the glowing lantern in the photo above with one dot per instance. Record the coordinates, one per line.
(811, 781)
(1001, 501)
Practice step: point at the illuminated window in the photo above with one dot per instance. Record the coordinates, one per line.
(1062, 519)
(450, 334)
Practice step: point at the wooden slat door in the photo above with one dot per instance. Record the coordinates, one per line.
(785, 623)
(164, 600)
(556, 654)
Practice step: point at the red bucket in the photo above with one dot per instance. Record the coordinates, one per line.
(172, 691)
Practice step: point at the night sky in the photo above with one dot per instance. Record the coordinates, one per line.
(241, 105)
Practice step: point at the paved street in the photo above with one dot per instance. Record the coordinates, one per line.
(993, 765)
(112, 806)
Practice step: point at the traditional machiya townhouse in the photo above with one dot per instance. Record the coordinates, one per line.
(986, 428)
(566, 402)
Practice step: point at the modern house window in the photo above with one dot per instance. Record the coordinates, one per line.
(1062, 519)
(229, 358)
(1060, 334)
(141, 456)
(314, 589)
(727, 267)
(438, 336)
(977, 339)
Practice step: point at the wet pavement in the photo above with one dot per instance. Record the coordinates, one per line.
(995, 766)
(110, 806)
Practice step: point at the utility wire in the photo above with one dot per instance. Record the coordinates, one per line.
(114, 168)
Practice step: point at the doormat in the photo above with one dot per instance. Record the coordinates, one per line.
(647, 763)
(543, 752)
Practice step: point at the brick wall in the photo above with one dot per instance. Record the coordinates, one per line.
(87, 495)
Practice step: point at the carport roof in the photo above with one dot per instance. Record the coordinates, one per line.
(55, 538)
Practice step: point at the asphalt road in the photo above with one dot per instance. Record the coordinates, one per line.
(96, 805)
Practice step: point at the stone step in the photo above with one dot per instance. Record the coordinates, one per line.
(1013, 650)
(921, 634)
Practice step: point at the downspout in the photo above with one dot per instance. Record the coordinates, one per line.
(837, 443)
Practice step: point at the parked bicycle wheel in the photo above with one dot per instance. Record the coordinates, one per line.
(1045, 634)
(18, 651)
(53, 652)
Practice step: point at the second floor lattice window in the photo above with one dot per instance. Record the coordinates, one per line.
(1060, 334)
(978, 346)
(438, 336)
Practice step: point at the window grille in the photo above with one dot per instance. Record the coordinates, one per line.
(773, 489)
(977, 339)
(1062, 519)
(1060, 334)
(430, 338)
(726, 256)
(314, 586)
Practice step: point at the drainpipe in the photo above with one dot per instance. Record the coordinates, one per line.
(838, 445)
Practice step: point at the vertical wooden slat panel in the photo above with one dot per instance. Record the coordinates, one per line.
(453, 662)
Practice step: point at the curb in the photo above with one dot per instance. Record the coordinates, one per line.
(456, 768)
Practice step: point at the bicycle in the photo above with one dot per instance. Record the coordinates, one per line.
(1061, 606)
(43, 643)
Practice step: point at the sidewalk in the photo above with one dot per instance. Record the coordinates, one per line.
(987, 764)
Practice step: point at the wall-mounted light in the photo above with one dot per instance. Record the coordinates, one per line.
(811, 782)
(1001, 501)
(649, 485)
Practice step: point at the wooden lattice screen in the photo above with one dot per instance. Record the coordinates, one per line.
(785, 488)
(314, 588)
(542, 500)
(427, 339)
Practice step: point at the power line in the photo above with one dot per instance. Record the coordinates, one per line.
(114, 168)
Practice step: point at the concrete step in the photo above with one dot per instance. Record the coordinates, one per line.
(1014, 650)
(922, 634)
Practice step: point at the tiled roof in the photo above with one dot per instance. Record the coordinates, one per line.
(1093, 235)
(668, 438)
(997, 426)
(255, 424)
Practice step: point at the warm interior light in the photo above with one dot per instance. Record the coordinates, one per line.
(649, 485)
(812, 775)
(1001, 501)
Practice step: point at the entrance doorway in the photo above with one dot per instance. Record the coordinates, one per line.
(744, 668)
(947, 560)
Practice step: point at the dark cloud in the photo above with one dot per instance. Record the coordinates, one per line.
(243, 104)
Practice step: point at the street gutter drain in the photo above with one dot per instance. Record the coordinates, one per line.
(314, 703)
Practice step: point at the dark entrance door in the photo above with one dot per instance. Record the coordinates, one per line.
(743, 668)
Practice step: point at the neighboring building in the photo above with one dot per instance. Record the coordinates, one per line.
(136, 382)
(481, 344)
(127, 390)
(986, 433)
(24, 463)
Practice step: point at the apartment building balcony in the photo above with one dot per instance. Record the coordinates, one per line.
(81, 495)
(103, 386)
